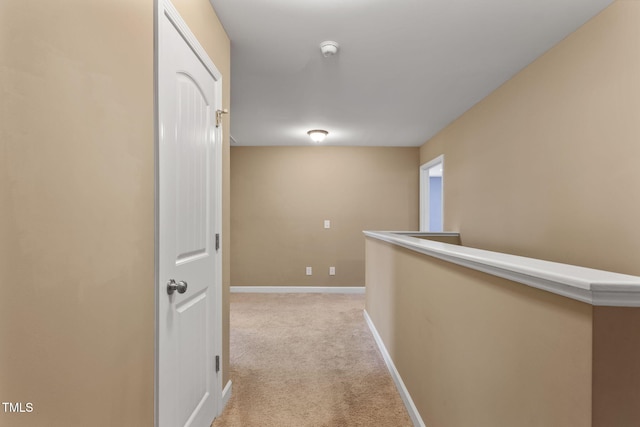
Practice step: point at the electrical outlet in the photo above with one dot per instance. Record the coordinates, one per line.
(309, 271)
(327, 223)
(332, 271)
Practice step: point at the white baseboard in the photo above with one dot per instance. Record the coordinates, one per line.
(404, 393)
(298, 289)
(226, 395)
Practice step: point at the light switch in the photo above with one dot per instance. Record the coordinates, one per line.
(327, 223)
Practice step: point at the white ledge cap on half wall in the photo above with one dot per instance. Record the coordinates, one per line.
(595, 287)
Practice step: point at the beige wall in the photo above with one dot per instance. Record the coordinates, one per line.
(203, 22)
(477, 350)
(77, 207)
(77, 306)
(474, 349)
(282, 195)
(547, 165)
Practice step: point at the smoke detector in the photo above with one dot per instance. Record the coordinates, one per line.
(329, 48)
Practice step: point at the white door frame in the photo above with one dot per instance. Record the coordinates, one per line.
(165, 8)
(424, 191)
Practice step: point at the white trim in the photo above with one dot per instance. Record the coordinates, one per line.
(402, 389)
(172, 13)
(595, 287)
(226, 395)
(298, 289)
(156, 207)
(424, 191)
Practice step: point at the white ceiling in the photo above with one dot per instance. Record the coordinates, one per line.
(405, 68)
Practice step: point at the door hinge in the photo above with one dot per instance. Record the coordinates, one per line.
(217, 363)
(219, 114)
(217, 241)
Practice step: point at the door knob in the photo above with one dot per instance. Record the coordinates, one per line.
(172, 286)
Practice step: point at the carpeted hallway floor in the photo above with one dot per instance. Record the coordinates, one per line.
(307, 360)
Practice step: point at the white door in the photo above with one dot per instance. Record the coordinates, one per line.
(188, 384)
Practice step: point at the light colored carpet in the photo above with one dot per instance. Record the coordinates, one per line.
(307, 360)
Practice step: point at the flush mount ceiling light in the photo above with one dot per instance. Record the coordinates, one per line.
(317, 135)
